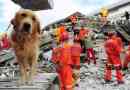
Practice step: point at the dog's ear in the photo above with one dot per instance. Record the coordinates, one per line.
(13, 21)
(38, 28)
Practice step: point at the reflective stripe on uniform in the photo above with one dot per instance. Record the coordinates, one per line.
(69, 86)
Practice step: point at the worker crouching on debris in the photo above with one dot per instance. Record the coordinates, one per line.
(75, 52)
(64, 63)
(89, 45)
(113, 51)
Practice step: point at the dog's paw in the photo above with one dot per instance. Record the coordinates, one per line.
(20, 83)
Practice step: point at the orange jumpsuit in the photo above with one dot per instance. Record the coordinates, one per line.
(62, 29)
(113, 52)
(75, 52)
(127, 58)
(119, 41)
(65, 62)
(62, 57)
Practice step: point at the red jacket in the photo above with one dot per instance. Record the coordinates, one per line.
(119, 42)
(5, 42)
(112, 47)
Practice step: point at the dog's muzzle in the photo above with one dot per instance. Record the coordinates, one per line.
(26, 27)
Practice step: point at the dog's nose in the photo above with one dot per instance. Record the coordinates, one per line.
(26, 27)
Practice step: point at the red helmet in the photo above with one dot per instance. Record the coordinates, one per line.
(64, 36)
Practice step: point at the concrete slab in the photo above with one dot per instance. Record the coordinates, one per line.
(42, 81)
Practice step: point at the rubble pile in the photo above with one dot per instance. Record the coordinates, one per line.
(92, 77)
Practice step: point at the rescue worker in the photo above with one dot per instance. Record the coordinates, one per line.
(89, 45)
(127, 59)
(118, 39)
(59, 31)
(104, 13)
(73, 19)
(64, 63)
(113, 51)
(103, 19)
(75, 52)
(82, 34)
(5, 44)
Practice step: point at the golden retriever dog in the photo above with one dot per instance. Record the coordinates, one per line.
(25, 40)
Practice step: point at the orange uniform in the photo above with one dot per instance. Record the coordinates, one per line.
(62, 56)
(59, 32)
(113, 52)
(75, 52)
(82, 33)
(119, 41)
(65, 74)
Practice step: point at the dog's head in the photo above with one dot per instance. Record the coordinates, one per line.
(25, 21)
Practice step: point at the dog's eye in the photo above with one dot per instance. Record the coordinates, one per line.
(33, 18)
(23, 15)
